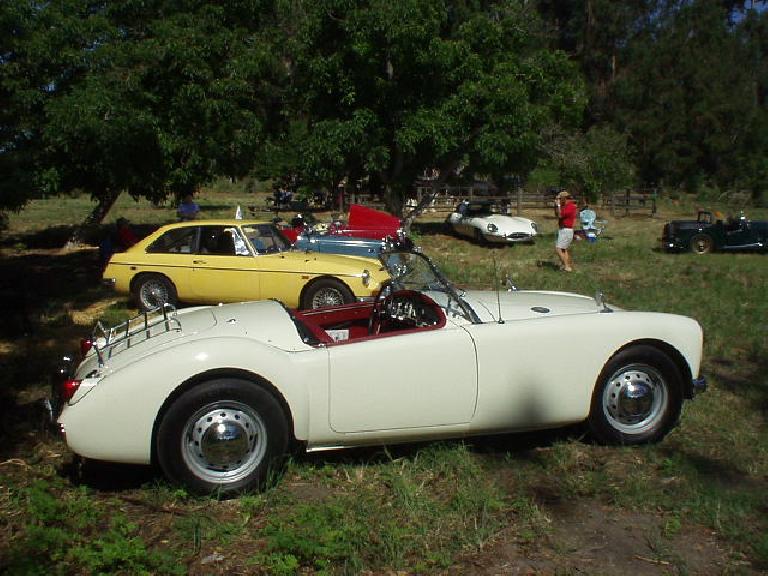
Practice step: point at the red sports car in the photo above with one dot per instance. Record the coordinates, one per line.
(363, 222)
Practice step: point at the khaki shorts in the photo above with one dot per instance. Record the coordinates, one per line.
(564, 238)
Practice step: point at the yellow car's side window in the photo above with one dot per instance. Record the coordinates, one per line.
(176, 241)
(222, 241)
(265, 239)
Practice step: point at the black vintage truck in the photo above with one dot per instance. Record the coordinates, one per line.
(710, 233)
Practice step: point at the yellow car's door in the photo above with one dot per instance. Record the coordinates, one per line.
(224, 269)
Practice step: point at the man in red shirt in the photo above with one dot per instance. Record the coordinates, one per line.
(566, 217)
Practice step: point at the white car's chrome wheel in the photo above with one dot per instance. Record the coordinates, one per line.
(224, 441)
(635, 399)
(222, 436)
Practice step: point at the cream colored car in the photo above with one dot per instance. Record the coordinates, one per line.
(214, 261)
(217, 395)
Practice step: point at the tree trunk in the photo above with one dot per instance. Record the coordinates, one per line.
(106, 200)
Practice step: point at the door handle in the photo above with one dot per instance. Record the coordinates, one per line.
(198, 262)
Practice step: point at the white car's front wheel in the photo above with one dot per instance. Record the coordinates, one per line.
(222, 436)
(637, 398)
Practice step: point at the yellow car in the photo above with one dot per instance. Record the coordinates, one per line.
(213, 261)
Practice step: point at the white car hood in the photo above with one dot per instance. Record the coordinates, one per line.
(501, 220)
(526, 304)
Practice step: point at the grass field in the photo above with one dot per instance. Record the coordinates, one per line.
(544, 503)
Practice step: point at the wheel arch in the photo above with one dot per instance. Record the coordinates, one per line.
(677, 358)
(216, 373)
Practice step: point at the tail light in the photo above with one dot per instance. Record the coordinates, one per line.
(68, 389)
(85, 346)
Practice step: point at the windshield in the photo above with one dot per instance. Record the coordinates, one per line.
(483, 210)
(414, 271)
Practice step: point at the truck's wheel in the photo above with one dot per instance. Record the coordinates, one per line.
(222, 436)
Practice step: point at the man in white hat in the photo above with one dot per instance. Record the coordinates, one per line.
(566, 217)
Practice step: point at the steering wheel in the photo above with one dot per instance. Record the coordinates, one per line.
(380, 307)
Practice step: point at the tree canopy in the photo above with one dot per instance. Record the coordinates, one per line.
(151, 98)
(382, 90)
(155, 97)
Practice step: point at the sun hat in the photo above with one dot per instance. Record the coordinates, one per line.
(564, 194)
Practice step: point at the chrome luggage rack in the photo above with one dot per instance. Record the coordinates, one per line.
(140, 328)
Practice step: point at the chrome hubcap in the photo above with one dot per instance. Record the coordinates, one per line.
(327, 297)
(224, 442)
(635, 399)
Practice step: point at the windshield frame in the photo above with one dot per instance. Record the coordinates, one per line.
(445, 285)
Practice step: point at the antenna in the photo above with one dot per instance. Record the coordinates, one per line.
(496, 285)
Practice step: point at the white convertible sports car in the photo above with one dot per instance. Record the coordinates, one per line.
(216, 395)
(486, 222)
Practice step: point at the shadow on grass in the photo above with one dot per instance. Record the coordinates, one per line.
(111, 477)
(35, 287)
(752, 383)
(38, 293)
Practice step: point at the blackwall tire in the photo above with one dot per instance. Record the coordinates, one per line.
(637, 398)
(326, 292)
(154, 290)
(224, 437)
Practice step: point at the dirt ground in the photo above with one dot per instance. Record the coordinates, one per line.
(583, 536)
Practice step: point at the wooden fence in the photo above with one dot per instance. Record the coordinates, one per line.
(446, 199)
(516, 201)
(629, 202)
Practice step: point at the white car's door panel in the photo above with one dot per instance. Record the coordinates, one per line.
(412, 380)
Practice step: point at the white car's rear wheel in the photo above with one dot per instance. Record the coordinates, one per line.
(637, 398)
(222, 436)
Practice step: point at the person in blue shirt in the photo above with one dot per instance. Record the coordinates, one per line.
(188, 209)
